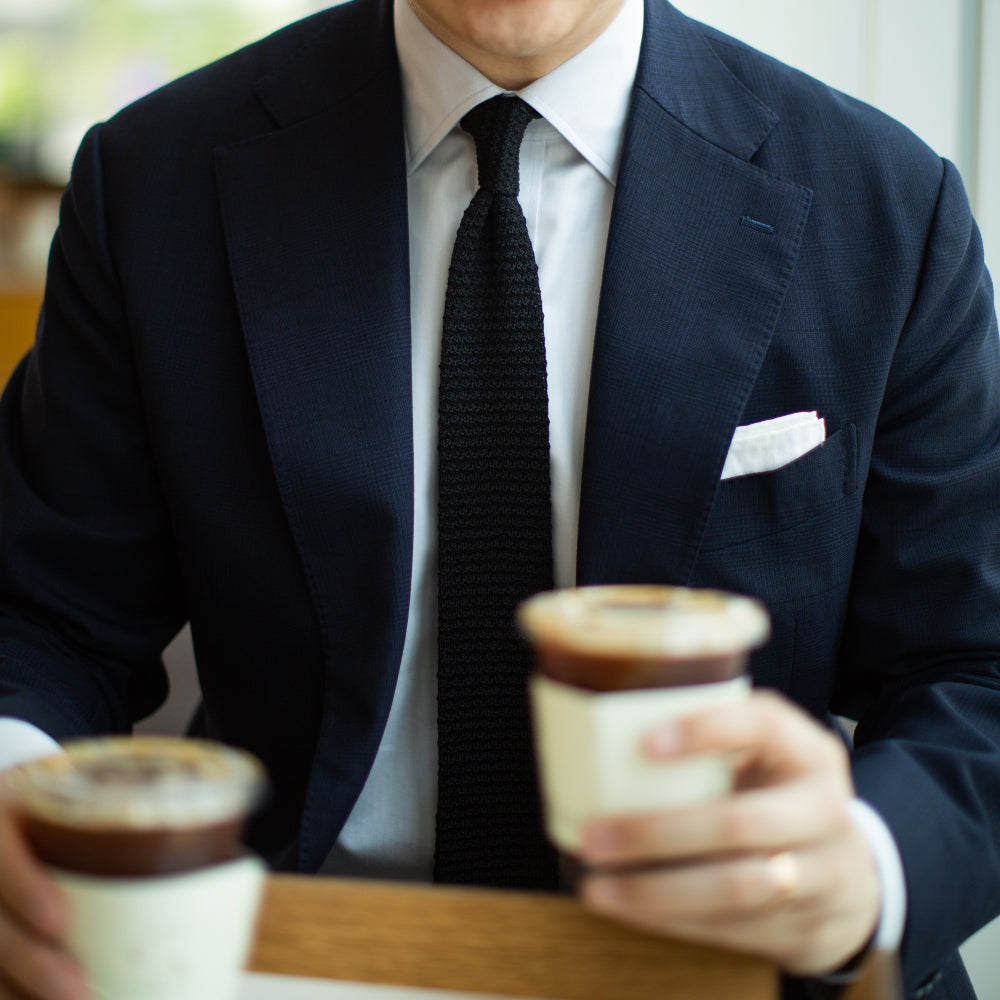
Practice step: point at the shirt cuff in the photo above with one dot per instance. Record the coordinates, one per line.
(892, 923)
(892, 920)
(20, 742)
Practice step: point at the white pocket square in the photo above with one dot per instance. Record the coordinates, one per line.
(770, 444)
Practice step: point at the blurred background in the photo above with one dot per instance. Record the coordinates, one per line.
(67, 63)
(64, 64)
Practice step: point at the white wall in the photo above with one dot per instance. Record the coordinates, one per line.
(173, 717)
(988, 164)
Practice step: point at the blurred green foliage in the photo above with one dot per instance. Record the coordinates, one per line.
(61, 73)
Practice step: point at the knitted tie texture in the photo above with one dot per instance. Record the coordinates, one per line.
(494, 523)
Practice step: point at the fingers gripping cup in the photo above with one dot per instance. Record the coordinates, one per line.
(614, 661)
(143, 836)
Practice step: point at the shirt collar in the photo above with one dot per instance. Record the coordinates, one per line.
(586, 98)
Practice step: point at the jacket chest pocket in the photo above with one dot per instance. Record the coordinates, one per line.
(786, 534)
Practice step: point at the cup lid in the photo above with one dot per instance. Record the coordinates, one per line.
(139, 782)
(646, 620)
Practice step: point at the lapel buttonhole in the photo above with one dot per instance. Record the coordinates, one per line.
(761, 227)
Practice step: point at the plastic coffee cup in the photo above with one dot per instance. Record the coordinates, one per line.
(612, 662)
(143, 836)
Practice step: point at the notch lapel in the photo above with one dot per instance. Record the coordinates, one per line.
(316, 226)
(700, 253)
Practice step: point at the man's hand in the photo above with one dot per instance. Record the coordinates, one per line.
(778, 868)
(33, 919)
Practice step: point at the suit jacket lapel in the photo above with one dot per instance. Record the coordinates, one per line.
(700, 252)
(316, 225)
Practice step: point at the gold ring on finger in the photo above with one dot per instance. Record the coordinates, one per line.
(785, 875)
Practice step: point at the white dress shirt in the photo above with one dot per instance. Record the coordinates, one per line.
(569, 164)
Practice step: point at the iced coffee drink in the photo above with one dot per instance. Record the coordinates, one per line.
(613, 661)
(137, 806)
(615, 638)
(142, 835)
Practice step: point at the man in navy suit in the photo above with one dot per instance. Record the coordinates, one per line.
(773, 368)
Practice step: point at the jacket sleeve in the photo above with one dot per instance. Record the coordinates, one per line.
(921, 648)
(89, 591)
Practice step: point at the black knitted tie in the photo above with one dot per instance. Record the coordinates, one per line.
(495, 525)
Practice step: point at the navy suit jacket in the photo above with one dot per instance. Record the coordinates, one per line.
(215, 425)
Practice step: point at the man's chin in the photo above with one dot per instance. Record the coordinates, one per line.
(542, 31)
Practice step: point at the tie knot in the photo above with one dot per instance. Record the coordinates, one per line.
(498, 126)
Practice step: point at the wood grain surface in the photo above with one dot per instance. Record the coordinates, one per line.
(515, 943)
(18, 314)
